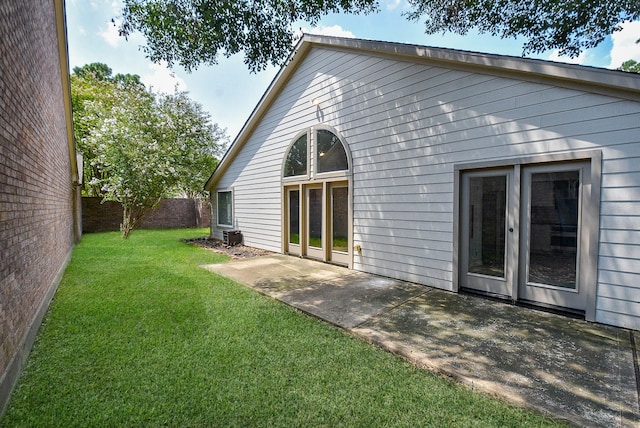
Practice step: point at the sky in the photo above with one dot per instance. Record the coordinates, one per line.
(228, 92)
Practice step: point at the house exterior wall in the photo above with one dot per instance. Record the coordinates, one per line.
(36, 189)
(407, 125)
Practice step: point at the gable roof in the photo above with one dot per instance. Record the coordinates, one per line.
(592, 79)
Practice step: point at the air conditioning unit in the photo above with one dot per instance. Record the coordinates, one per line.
(232, 237)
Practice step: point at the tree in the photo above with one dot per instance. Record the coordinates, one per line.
(195, 32)
(631, 66)
(100, 72)
(570, 26)
(97, 70)
(139, 146)
(188, 128)
(94, 91)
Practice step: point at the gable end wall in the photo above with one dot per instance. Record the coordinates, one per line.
(407, 125)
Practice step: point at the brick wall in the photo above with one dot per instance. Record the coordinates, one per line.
(36, 191)
(170, 214)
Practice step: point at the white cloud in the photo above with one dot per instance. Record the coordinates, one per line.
(110, 34)
(334, 30)
(624, 44)
(392, 4)
(162, 79)
(110, 10)
(580, 59)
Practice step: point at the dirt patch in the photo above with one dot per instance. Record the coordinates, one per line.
(233, 251)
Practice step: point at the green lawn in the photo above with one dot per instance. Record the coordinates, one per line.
(138, 335)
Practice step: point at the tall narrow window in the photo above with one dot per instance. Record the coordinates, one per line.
(315, 219)
(225, 208)
(296, 163)
(294, 216)
(340, 219)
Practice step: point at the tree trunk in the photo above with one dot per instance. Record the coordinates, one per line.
(132, 216)
(128, 221)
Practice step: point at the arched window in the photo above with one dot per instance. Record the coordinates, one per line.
(296, 163)
(330, 154)
(316, 196)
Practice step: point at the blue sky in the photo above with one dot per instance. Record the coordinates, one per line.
(229, 92)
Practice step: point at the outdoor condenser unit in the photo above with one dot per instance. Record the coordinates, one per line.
(232, 237)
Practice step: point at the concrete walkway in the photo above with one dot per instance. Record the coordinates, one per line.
(565, 368)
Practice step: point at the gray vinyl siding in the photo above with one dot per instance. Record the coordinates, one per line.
(407, 125)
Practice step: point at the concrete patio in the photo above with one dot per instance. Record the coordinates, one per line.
(568, 369)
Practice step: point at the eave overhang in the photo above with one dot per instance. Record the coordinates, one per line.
(590, 79)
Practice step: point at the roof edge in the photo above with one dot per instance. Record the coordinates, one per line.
(281, 78)
(615, 79)
(601, 79)
(63, 54)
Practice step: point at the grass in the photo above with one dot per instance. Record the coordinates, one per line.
(339, 243)
(138, 335)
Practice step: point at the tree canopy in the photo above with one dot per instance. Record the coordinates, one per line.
(570, 26)
(631, 66)
(138, 146)
(100, 72)
(195, 32)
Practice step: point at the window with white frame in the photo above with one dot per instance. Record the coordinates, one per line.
(225, 208)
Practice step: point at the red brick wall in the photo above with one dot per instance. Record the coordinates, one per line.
(36, 191)
(170, 214)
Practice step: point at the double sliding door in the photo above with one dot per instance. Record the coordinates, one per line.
(522, 233)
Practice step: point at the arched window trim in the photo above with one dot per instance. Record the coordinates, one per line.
(312, 160)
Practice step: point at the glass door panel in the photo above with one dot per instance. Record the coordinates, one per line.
(293, 226)
(314, 222)
(521, 231)
(487, 220)
(551, 219)
(553, 228)
(484, 219)
(339, 209)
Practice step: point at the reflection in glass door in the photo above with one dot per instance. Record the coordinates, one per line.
(293, 221)
(550, 250)
(484, 223)
(553, 227)
(339, 214)
(314, 209)
(487, 216)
